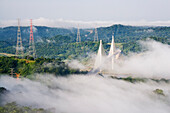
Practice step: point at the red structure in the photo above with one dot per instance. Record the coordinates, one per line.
(17, 75)
(31, 32)
(32, 51)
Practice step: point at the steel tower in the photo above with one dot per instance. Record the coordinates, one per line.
(19, 48)
(78, 35)
(31, 51)
(12, 72)
(96, 36)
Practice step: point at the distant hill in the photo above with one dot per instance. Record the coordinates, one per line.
(60, 42)
(122, 33)
(10, 33)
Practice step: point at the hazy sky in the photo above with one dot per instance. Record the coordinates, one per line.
(86, 10)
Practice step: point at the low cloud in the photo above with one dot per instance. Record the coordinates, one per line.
(34, 29)
(39, 39)
(87, 94)
(82, 24)
(50, 41)
(75, 64)
(152, 62)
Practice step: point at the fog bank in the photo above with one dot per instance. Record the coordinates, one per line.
(87, 94)
(152, 62)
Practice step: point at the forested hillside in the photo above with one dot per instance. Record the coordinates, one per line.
(122, 33)
(27, 67)
(61, 43)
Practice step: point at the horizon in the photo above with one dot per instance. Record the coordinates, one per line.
(86, 13)
(82, 24)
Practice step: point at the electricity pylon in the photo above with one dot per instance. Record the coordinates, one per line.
(96, 35)
(78, 35)
(12, 72)
(31, 51)
(19, 48)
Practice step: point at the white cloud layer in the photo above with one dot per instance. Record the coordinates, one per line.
(87, 94)
(152, 62)
(82, 24)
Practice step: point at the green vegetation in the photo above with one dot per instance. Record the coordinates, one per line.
(123, 34)
(14, 108)
(136, 79)
(134, 46)
(130, 79)
(159, 92)
(65, 47)
(3, 90)
(61, 43)
(40, 65)
(126, 34)
(53, 45)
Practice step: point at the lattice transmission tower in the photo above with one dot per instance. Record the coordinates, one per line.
(96, 35)
(12, 72)
(31, 51)
(78, 35)
(19, 48)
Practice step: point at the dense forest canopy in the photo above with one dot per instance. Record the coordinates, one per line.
(61, 43)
